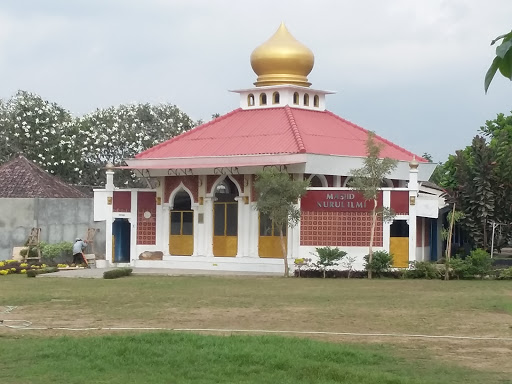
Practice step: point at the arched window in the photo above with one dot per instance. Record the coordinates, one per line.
(250, 100)
(296, 98)
(315, 182)
(306, 99)
(263, 99)
(275, 98)
(316, 101)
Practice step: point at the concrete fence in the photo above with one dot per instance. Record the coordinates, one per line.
(59, 220)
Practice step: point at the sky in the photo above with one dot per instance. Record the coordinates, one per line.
(410, 70)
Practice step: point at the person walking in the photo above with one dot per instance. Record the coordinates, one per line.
(78, 248)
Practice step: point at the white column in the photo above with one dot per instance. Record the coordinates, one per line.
(160, 218)
(242, 227)
(208, 224)
(166, 227)
(386, 226)
(195, 209)
(254, 230)
(337, 181)
(413, 195)
(133, 229)
(199, 230)
(109, 187)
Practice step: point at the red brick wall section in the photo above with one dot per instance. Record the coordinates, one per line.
(400, 202)
(427, 232)
(146, 228)
(172, 182)
(419, 231)
(122, 201)
(240, 180)
(349, 229)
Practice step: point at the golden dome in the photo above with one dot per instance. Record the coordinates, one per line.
(282, 60)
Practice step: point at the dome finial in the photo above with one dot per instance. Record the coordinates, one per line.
(282, 60)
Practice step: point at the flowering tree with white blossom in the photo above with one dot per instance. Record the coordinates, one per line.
(42, 131)
(77, 149)
(117, 133)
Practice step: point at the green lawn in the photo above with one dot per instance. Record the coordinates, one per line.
(464, 308)
(188, 358)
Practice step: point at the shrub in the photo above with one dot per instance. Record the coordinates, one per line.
(381, 262)
(334, 273)
(479, 263)
(32, 273)
(116, 273)
(52, 251)
(505, 274)
(328, 257)
(458, 268)
(423, 270)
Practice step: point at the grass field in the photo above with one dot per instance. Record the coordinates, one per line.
(462, 308)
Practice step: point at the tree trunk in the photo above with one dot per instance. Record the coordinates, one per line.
(283, 249)
(372, 233)
(449, 246)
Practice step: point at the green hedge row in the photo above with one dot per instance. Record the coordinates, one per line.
(116, 273)
(35, 272)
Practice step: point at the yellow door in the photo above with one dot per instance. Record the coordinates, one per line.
(225, 229)
(399, 248)
(269, 242)
(181, 236)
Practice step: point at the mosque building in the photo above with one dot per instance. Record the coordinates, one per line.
(200, 211)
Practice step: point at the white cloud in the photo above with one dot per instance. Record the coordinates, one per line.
(410, 69)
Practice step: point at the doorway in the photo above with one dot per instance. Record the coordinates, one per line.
(181, 233)
(399, 243)
(225, 219)
(121, 230)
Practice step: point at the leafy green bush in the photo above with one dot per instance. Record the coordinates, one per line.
(505, 274)
(116, 273)
(328, 257)
(479, 263)
(458, 268)
(423, 270)
(381, 262)
(32, 273)
(52, 251)
(35, 272)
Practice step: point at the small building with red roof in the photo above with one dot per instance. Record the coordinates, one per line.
(201, 214)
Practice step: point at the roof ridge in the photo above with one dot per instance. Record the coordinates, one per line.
(295, 129)
(390, 143)
(184, 134)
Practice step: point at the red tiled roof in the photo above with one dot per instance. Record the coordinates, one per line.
(273, 131)
(21, 178)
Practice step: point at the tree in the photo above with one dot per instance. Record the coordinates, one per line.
(116, 133)
(447, 234)
(437, 174)
(328, 257)
(278, 194)
(502, 61)
(368, 180)
(42, 131)
(76, 149)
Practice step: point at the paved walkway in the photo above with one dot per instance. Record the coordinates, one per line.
(97, 273)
